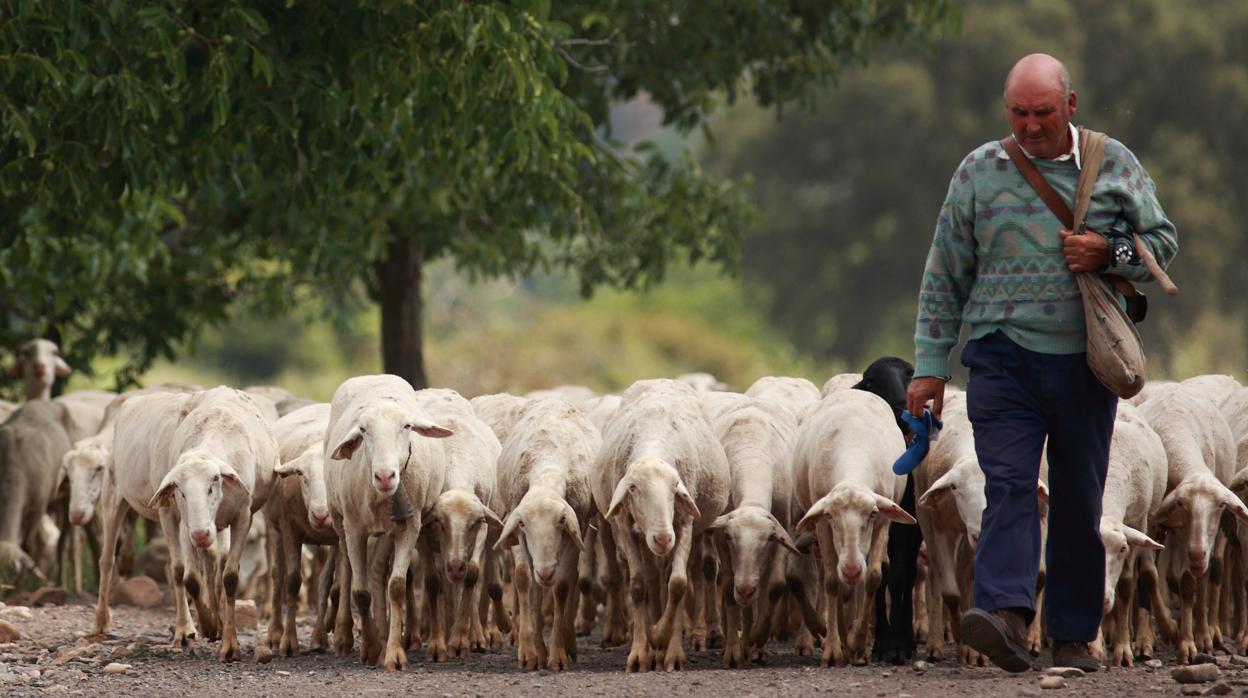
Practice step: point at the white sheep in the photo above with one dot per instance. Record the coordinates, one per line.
(842, 467)
(601, 409)
(379, 439)
(662, 469)
(1217, 387)
(39, 364)
(1200, 454)
(1134, 486)
(841, 381)
(200, 463)
(32, 442)
(543, 483)
(794, 393)
(297, 513)
(757, 436)
(464, 521)
(703, 382)
(500, 411)
(575, 394)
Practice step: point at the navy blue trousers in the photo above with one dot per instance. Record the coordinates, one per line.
(1015, 399)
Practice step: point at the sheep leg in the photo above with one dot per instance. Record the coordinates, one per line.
(1210, 635)
(640, 659)
(770, 606)
(404, 540)
(197, 583)
(526, 637)
(357, 554)
(1124, 602)
(288, 562)
(801, 576)
(588, 564)
(175, 571)
(277, 583)
(344, 635)
(667, 633)
(611, 576)
(115, 511)
(563, 631)
(1186, 648)
(228, 590)
(473, 587)
(833, 652)
(697, 582)
(379, 565)
(501, 625)
(921, 621)
(875, 573)
(1158, 602)
(710, 590)
(734, 652)
(320, 633)
(435, 590)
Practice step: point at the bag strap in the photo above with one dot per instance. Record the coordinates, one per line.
(1092, 148)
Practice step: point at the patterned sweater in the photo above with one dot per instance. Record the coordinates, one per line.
(996, 262)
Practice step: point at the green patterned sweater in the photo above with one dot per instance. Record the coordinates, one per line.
(996, 262)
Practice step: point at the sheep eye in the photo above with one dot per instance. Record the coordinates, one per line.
(521, 524)
(407, 427)
(632, 488)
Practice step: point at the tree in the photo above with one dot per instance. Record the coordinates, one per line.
(849, 193)
(163, 161)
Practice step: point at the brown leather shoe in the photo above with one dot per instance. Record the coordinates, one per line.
(999, 635)
(1074, 654)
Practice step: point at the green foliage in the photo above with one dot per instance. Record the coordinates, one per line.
(848, 196)
(159, 161)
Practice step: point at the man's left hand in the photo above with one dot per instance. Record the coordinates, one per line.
(1087, 252)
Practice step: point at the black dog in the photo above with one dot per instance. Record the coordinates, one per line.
(889, 377)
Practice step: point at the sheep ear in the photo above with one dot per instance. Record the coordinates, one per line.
(685, 503)
(781, 536)
(230, 475)
(892, 511)
(430, 518)
(509, 538)
(1234, 505)
(491, 519)
(1139, 540)
(424, 427)
(719, 523)
(618, 497)
(291, 468)
(1170, 512)
(164, 492)
(15, 371)
(347, 447)
(60, 368)
(1239, 483)
(818, 512)
(934, 494)
(572, 527)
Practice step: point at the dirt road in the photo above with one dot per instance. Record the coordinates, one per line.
(53, 658)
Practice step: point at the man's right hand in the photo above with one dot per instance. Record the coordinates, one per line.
(922, 390)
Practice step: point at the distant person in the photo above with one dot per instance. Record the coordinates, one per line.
(1001, 262)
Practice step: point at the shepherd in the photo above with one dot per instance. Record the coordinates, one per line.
(1002, 262)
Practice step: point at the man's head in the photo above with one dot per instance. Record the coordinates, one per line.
(1039, 104)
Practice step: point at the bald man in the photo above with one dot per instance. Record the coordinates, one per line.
(1001, 263)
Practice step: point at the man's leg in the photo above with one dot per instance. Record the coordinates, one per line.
(1005, 412)
(1081, 417)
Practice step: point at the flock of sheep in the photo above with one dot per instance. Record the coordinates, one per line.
(676, 514)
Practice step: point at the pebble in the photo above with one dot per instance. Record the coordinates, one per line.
(142, 592)
(1052, 682)
(1239, 660)
(1153, 663)
(886, 674)
(1066, 672)
(283, 673)
(1203, 658)
(9, 632)
(1218, 689)
(16, 613)
(921, 666)
(1191, 690)
(116, 668)
(1199, 673)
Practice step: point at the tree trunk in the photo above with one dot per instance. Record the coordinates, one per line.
(398, 275)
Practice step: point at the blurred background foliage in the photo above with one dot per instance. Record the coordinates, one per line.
(847, 193)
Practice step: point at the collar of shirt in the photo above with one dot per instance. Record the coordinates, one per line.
(1073, 154)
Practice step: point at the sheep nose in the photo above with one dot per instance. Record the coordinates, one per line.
(455, 569)
(546, 576)
(386, 480)
(745, 593)
(77, 517)
(663, 542)
(320, 519)
(851, 572)
(40, 370)
(201, 538)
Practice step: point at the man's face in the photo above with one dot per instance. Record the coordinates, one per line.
(1039, 117)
